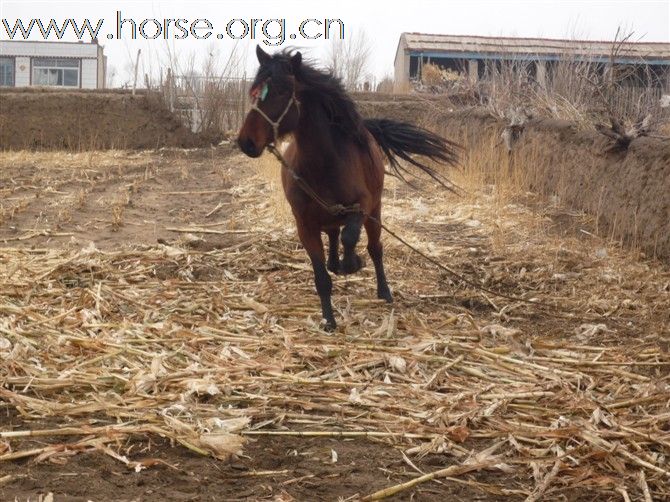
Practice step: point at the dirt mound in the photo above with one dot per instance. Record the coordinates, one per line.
(415, 108)
(628, 193)
(76, 121)
(404, 107)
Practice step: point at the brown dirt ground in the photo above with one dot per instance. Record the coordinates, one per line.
(67, 200)
(77, 121)
(109, 199)
(272, 468)
(112, 199)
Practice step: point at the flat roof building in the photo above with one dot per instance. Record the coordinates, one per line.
(54, 64)
(472, 55)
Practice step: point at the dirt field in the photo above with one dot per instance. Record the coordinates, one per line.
(628, 192)
(78, 121)
(152, 300)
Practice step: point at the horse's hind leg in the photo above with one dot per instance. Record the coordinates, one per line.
(333, 250)
(351, 233)
(311, 240)
(374, 229)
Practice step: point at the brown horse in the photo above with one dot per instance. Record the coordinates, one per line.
(335, 160)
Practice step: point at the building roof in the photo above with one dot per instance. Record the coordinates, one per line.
(43, 48)
(539, 48)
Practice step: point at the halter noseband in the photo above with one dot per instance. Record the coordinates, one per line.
(275, 123)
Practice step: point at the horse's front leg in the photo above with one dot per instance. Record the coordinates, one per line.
(351, 233)
(333, 250)
(310, 236)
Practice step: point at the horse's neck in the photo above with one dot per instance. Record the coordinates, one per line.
(315, 140)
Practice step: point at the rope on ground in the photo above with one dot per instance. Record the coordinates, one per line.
(339, 209)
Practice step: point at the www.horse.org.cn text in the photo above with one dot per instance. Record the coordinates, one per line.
(271, 32)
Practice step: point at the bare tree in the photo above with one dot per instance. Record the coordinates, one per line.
(110, 76)
(209, 91)
(349, 57)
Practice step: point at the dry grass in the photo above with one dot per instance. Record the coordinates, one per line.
(268, 169)
(586, 93)
(547, 164)
(208, 348)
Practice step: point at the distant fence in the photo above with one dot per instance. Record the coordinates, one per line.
(215, 103)
(218, 104)
(207, 103)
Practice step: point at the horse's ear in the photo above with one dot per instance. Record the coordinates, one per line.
(263, 57)
(296, 59)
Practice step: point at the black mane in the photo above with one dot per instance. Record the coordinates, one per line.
(319, 89)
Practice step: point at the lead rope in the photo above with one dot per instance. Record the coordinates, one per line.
(338, 209)
(334, 209)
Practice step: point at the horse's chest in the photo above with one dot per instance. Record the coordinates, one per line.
(312, 196)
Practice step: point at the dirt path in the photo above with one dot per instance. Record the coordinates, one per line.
(180, 331)
(110, 199)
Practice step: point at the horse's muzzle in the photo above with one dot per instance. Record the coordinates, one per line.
(248, 147)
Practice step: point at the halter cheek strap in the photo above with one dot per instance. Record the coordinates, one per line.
(275, 123)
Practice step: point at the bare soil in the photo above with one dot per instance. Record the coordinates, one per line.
(113, 199)
(79, 120)
(61, 199)
(272, 468)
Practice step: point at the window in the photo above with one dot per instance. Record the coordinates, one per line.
(58, 72)
(6, 72)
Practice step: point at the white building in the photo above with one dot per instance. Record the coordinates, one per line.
(55, 64)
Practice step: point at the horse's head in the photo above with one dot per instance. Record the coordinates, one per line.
(274, 106)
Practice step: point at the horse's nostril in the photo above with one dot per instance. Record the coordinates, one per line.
(247, 146)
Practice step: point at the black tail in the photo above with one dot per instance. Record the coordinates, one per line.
(401, 140)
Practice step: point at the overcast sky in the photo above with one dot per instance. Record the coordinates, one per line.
(383, 22)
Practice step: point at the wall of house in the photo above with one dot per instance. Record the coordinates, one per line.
(92, 60)
(89, 74)
(22, 71)
(401, 69)
(541, 71)
(102, 69)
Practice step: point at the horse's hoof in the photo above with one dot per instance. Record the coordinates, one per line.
(351, 266)
(330, 326)
(385, 294)
(334, 267)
